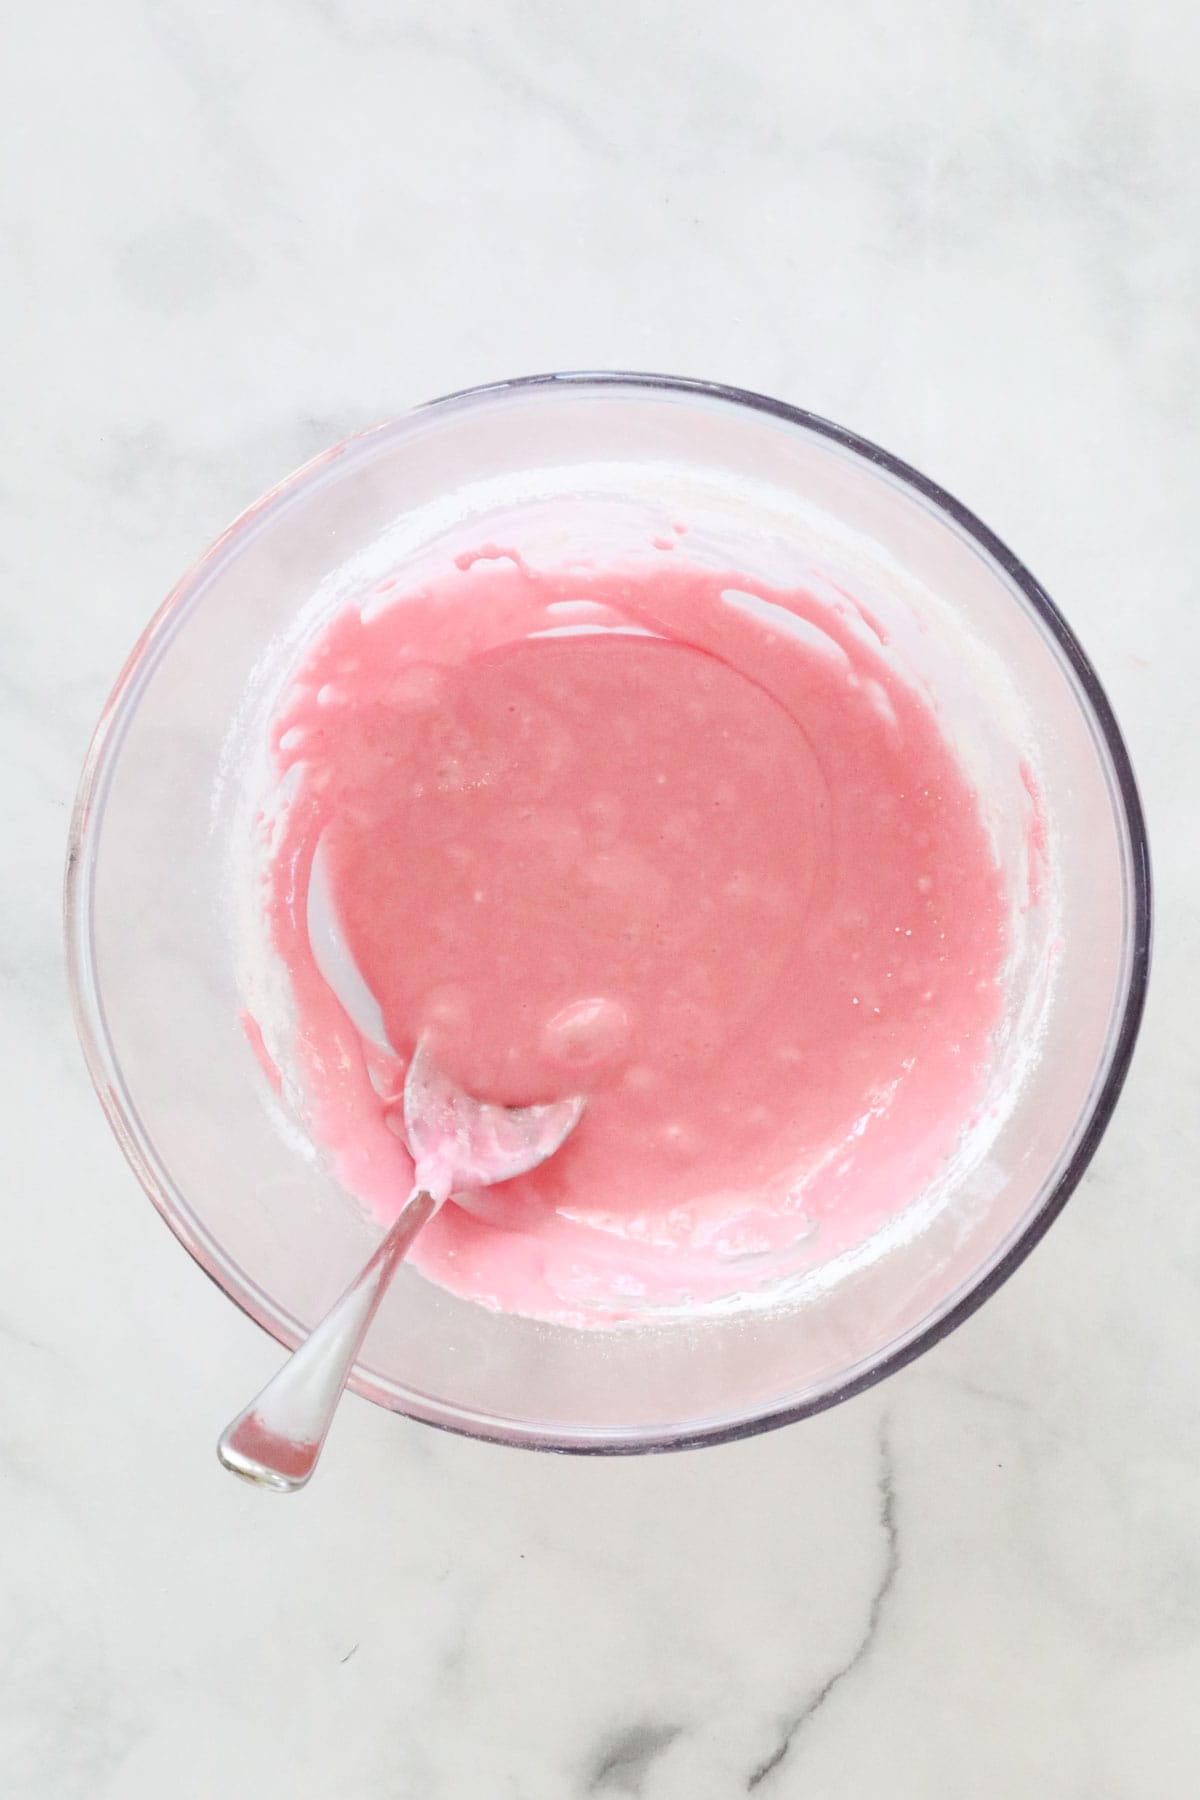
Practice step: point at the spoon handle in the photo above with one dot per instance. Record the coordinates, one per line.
(277, 1440)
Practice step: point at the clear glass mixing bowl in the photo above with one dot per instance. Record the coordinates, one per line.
(599, 462)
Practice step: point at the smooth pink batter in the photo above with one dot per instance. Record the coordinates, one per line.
(709, 862)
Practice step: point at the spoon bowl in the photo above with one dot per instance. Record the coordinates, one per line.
(474, 1142)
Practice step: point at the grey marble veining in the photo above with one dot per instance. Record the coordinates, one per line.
(230, 234)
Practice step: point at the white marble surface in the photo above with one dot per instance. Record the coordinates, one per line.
(231, 233)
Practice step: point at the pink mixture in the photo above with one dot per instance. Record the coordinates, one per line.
(707, 861)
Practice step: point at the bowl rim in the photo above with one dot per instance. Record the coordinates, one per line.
(138, 1147)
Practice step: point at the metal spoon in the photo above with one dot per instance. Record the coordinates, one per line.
(456, 1143)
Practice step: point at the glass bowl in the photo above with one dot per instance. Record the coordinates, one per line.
(156, 920)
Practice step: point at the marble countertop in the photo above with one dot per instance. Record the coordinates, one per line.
(230, 234)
